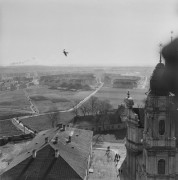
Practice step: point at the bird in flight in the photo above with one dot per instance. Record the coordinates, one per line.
(65, 52)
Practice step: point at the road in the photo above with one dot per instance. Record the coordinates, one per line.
(86, 99)
(71, 109)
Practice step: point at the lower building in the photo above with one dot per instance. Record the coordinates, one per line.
(152, 139)
(54, 154)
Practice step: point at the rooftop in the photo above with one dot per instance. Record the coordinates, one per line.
(71, 161)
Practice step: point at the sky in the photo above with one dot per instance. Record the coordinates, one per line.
(94, 32)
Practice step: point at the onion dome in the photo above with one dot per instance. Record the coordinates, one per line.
(158, 86)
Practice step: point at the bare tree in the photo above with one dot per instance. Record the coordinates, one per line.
(104, 106)
(93, 103)
(85, 109)
(75, 110)
(54, 116)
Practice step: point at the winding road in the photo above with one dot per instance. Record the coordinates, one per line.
(86, 99)
(63, 111)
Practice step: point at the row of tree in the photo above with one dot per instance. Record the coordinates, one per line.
(93, 106)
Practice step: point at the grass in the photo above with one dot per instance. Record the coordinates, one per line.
(13, 103)
(8, 129)
(46, 99)
(43, 122)
(116, 96)
(14, 99)
(10, 113)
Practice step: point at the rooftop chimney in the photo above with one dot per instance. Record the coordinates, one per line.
(69, 140)
(56, 153)
(46, 140)
(64, 127)
(34, 153)
(55, 140)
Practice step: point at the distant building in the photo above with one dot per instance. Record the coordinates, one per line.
(152, 136)
(53, 154)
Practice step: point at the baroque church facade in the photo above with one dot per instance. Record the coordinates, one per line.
(152, 133)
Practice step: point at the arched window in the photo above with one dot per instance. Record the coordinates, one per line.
(161, 127)
(161, 166)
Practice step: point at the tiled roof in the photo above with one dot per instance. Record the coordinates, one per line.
(72, 162)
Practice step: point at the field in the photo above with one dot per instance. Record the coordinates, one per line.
(8, 129)
(43, 122)
(116, 95)
(13, 103)
(14, 100)
(48, 100)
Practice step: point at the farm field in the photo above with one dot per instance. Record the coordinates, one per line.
(116, 96)
(13, 103)
(48, 99)
(14, 100)
(8, 129)
(43, 122)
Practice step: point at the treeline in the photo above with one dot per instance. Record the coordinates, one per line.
(94, 106)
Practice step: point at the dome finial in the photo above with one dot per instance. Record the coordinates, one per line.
(160, 45)
(128, 94)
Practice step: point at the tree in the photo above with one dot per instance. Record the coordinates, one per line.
(75, 108)
(93, 103)
(104, 106)
(54, 116)
(85, 109)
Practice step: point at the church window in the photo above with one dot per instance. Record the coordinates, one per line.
(161, 127)
(161, 166)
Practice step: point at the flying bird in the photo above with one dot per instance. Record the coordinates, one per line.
(65, 52)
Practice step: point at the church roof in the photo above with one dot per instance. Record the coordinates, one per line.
(71, 163)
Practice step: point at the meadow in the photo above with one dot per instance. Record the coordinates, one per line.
(43, 122)
(14, 100)
(116, 95)
(8, 129)
(50, 99)
(13, 103)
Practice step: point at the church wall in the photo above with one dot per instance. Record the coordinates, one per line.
(171, 165)
(176, 163)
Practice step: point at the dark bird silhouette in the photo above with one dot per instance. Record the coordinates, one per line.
(65, 52)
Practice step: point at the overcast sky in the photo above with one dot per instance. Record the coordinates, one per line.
(95, 32)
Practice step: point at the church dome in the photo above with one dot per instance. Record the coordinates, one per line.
(158, 85)
(160, 66)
